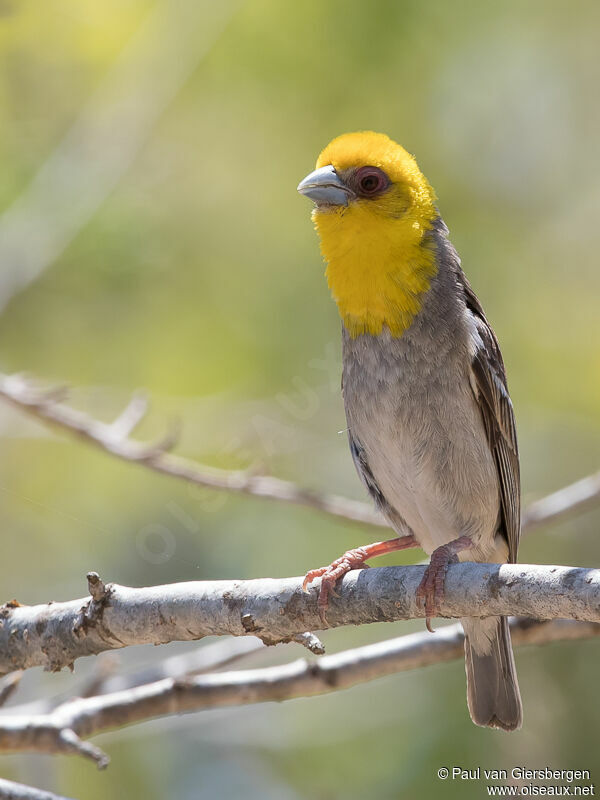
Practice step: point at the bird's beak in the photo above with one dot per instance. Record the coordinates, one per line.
(325, 187)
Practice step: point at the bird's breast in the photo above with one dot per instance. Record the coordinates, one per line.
(410, 405)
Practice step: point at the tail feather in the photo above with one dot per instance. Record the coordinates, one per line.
(492, 688)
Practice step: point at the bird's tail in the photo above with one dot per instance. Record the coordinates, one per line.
(492, 688)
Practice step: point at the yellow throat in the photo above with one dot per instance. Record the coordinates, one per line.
(378, 264)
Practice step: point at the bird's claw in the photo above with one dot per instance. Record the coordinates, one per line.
(310, 576)
(430, 591)
(330, 575)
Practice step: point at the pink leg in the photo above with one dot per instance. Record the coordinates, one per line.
(353, 559)
(431, 588)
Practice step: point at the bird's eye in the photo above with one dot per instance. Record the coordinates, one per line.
(371, 181)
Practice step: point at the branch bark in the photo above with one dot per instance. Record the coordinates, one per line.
(54, 635)
(61, 730)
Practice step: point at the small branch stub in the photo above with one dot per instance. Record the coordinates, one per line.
(92, 611)
(96, 587)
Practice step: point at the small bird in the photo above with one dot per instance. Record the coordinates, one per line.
(430, 421)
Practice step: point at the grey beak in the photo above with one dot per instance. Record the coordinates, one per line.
(325, 187)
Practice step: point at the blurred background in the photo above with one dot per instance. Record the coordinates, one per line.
(151, 236)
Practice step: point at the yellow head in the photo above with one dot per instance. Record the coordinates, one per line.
(373, 209)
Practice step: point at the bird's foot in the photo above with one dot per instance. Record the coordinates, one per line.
(352, 559)
(330, 575)
(430, 592)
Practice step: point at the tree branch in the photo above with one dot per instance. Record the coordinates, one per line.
(114, 438)
(564, 503)
(54, 635)
(18, 791)
(60, 730)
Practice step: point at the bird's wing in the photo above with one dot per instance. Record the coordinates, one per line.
(359, 457)
(497, 411)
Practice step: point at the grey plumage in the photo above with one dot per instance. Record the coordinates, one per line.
(432, 435)
(492, 690)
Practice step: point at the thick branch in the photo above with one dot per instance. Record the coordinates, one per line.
(55, 634)
(87, 716)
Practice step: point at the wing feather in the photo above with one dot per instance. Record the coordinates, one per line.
(498, 417)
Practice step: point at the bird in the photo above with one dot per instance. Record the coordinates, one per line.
(430, 422)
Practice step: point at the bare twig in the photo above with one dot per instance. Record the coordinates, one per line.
(87, 716)
(18, 791)
(115, 438)
(574, 498)
(55, 634)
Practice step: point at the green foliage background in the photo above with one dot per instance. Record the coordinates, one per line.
(198, 278)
